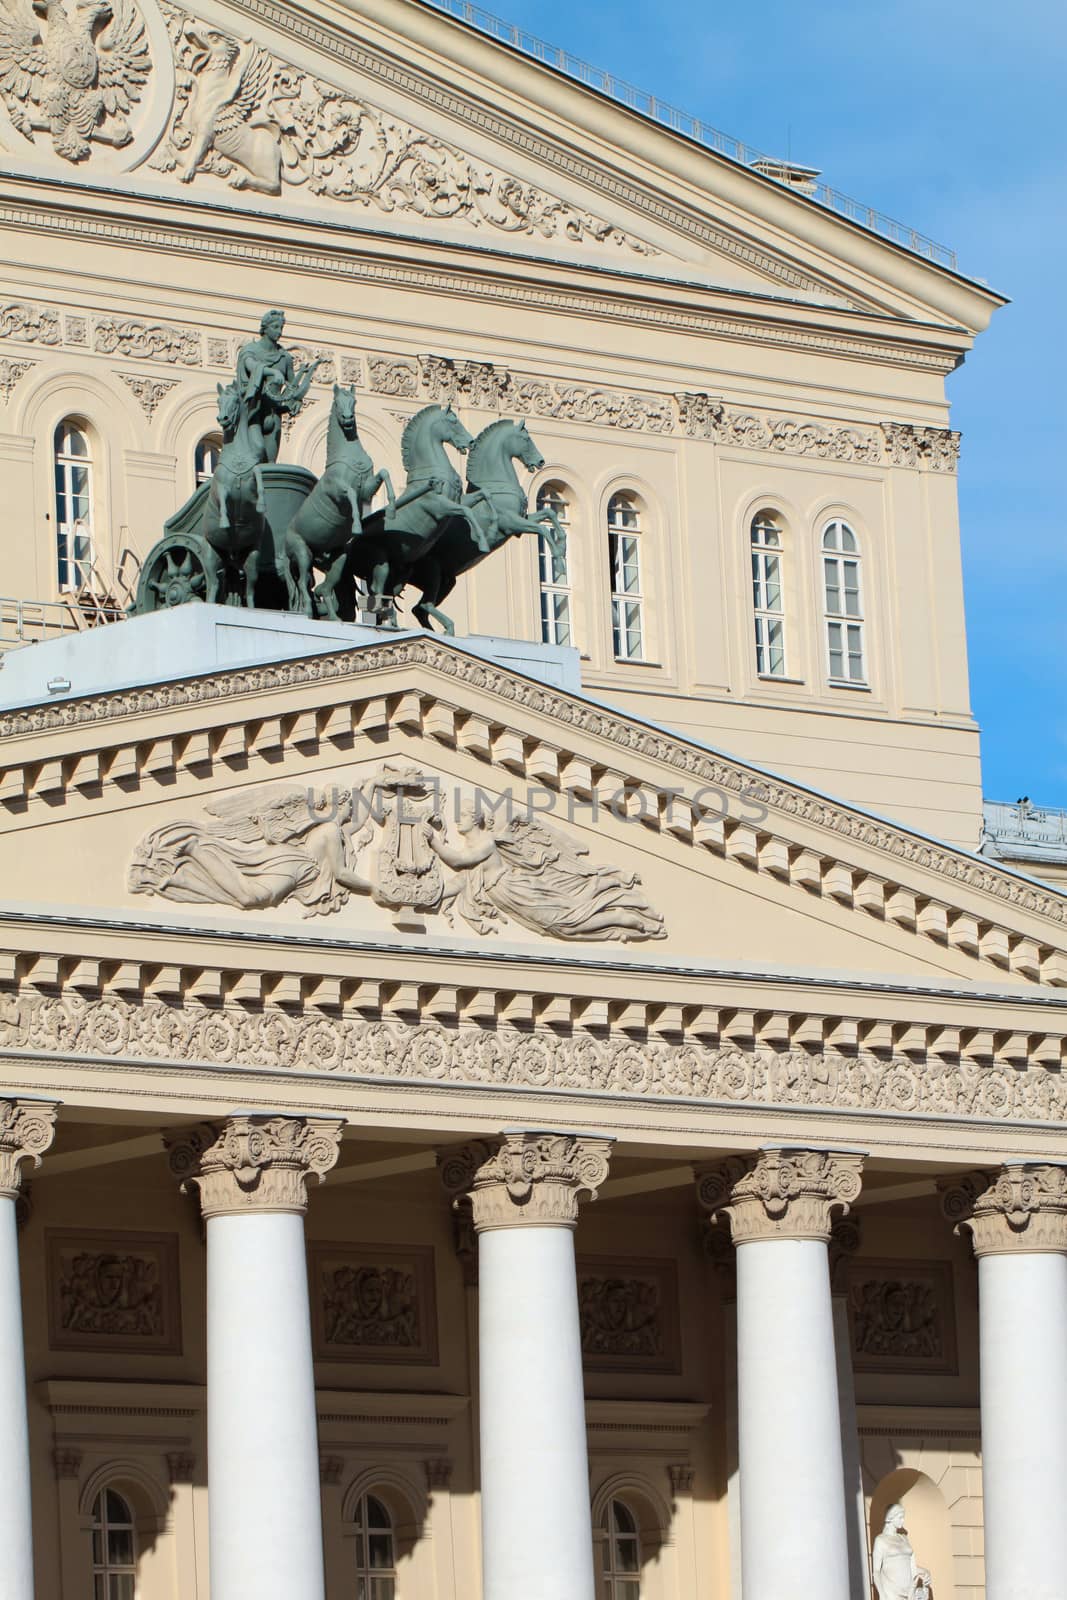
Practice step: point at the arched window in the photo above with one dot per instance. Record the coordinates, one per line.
(621, 1554)
(768, 594)
(206, 456)
(844, 604)
(375, 1550)
(74, 505)
(114, 1548)
(554, 571)
(627, 598)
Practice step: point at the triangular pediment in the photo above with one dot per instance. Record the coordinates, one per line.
(405, 126)
(409, 790)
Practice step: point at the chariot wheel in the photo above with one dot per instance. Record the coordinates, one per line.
(178, 569)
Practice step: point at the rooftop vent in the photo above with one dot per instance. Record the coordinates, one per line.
(794, 176)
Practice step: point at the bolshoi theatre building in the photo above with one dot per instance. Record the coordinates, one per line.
(527, 1070)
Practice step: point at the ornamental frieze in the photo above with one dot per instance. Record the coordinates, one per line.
(113, 1291)
(628, 1313)
(247, 118)
(355, 1046)
(901, 1316)
(487, 386)
(374, 1303)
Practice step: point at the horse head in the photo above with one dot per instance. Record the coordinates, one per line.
(524, 449)
(229, 409)
(343, 411)
(452, 430)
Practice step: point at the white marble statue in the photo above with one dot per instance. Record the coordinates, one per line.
(896, 1573)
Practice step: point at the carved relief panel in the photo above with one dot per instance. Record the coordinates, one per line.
(629, 1314)
(902, 1316)
(374, 1303)
(113, 1291)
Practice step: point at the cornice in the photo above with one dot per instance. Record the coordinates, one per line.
(189, 1021)
(484, 277)
(562, 762)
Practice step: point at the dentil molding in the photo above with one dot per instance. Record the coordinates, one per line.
(256, 1163)
(525, 1178)
(1020, 1209)
(27, 1128)
(781, 1194)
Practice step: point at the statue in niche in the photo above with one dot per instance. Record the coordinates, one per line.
(896, 1573)
(530, 873)
(258, 850)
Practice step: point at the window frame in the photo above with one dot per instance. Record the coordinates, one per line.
(764, 615)
(74, 552)
(371, 1581)
(550, 587)
(616, 1580)
(632, 599)
(104, 1568)
(848, 624)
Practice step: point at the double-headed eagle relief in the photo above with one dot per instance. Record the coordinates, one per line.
(390, 841)
(261, 533)
(73, 71)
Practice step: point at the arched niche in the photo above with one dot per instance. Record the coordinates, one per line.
(926, 1520)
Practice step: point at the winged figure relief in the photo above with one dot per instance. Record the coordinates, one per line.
(223, 123)
(73, 70)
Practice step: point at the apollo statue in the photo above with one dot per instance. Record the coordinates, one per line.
(896, 1573)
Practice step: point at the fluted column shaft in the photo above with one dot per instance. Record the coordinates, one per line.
(265, 1522)
(536, 1533)
(794, 1533)
(27, 1128)
(1018, 1222)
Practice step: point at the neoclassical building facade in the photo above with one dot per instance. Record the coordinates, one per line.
(570, 1109)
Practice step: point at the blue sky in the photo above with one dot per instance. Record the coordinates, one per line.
(948, 115)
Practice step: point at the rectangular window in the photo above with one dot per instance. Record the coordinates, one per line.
(768, 607)
(555, 595)
(627, 602)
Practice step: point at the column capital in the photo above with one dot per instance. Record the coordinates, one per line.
(27, 1128)
(781, 1194)
(1020, 1208)
(525, 1178)
(254, 1163)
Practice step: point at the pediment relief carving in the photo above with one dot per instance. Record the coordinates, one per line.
(811, 846)
(391, 841)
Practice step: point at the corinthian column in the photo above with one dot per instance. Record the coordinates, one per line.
(265, 1523)
(794, 1533)
(27, 1128)
(1017, 1219)
(537, 1541)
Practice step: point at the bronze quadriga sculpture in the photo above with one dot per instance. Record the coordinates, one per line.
(269, 534)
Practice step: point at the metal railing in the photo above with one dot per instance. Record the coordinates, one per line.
(678, 121)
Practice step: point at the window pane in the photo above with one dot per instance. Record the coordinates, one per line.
(382, 1589)
(99, 1586)
(117, 1509)
(120, 1547)
(122, 1586)
(98, 1548)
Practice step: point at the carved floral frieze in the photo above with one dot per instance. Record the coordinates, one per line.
(901, 1316)
(389, 841)
(380, 1046)
(373, 1303)
(244, 116)
(487, 386)
(113, 1291)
